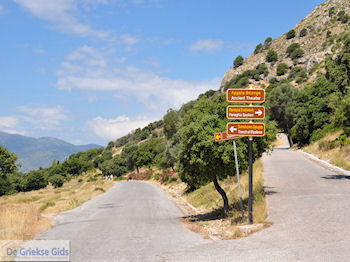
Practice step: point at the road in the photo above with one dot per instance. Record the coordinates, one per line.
(134, 221)
(308, 205)
(310, 209)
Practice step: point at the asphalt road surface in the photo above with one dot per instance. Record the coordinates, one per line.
(308, 205)
(310, 209)
(134, 221)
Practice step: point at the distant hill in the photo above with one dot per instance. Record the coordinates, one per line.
(39, 152)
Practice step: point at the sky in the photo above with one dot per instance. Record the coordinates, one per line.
(90, 71)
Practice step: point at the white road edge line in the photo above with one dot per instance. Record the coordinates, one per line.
(326, 163)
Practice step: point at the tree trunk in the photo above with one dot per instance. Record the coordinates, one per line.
(137, 168)
(222, 193)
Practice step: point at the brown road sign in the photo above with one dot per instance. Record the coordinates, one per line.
(245, 112)
(245, 129)
(222, 136)
(245, 95)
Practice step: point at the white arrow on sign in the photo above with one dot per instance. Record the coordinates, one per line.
(259, 112)
(233, 129)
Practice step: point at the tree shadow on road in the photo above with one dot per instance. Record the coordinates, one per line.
(268, 191)
(336, 177)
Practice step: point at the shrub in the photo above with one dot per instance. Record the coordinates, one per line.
(258, 49)
(56, 180)
(271, 56)
(290, 34)
(282, 69)
(327, 145)
(298, 73)
(100, 189)
(262, 69)
(331, 11)
(268, 42)
(49, 203)
(303, 32)
(294, 51)
(343, 17)
(343, 140)
(238, 61)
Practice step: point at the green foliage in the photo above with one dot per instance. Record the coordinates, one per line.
(303, 32)
(299, 74)
(294, 51)
(268, 42)
(258, 49)
(7, 161)
(290, 34)
(56, 181)
(271, 56)
(200, 158)
(331, 11)
(280, 105)
(34, 180)
(343, 17)
(238, 61)
(171, 123)
(262, 69)
(282, 68)
(114, 167)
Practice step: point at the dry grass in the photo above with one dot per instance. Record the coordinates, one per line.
(338, 156)
(207, 217)
(21, 214)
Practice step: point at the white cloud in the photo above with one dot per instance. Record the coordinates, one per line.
(88, 68)
(111, 129)
(62, 15)
(129, 39)
(206, 45)
(43, 117)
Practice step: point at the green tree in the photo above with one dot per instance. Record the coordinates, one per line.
(7, 161)
(268, 42)
(294, 51)
(290, 34)
(114, 167)
(258, 49)
(303, 32)
(238, 61)
(271, 56)
(34, 180)
(282, 69)
(280, 106)
(202, 160)
(57, 181)
(171, 123)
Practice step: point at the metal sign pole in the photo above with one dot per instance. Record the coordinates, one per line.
(250, 200)
(238, 179)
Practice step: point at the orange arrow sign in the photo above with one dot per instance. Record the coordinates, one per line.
(245, 112)
(245, 95)
(245, 129)
(222, 136)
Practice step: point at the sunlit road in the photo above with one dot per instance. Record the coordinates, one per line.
(134, 221)
(310, 209)
(308, 205)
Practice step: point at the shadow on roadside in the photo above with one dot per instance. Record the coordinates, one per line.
(336, 177)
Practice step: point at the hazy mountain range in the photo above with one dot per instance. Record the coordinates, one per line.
(34, 153)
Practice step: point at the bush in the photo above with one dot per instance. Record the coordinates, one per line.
(343, 17)
(290, 34)
(238, 61)
(57, 181)
(294, 51)
(262, 69)
(298, 73)
(282, 69)
(34, 180)
(327, 145)
(331, 11)
(268, 42)
(303, 32)
(271, 56)
(258, 49)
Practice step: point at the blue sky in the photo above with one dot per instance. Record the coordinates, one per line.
(90, 71)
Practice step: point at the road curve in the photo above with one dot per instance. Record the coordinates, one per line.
(134, 221)
(310, 209)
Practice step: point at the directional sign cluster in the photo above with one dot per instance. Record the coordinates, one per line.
(245, 112)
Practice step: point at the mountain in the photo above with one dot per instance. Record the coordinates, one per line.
(317, 35)
(39, 152)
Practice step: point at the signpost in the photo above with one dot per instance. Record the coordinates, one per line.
(222, 136)
(246, 129)
(245, 112)
(245, 95)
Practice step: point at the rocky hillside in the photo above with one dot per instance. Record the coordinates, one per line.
(309, 42)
